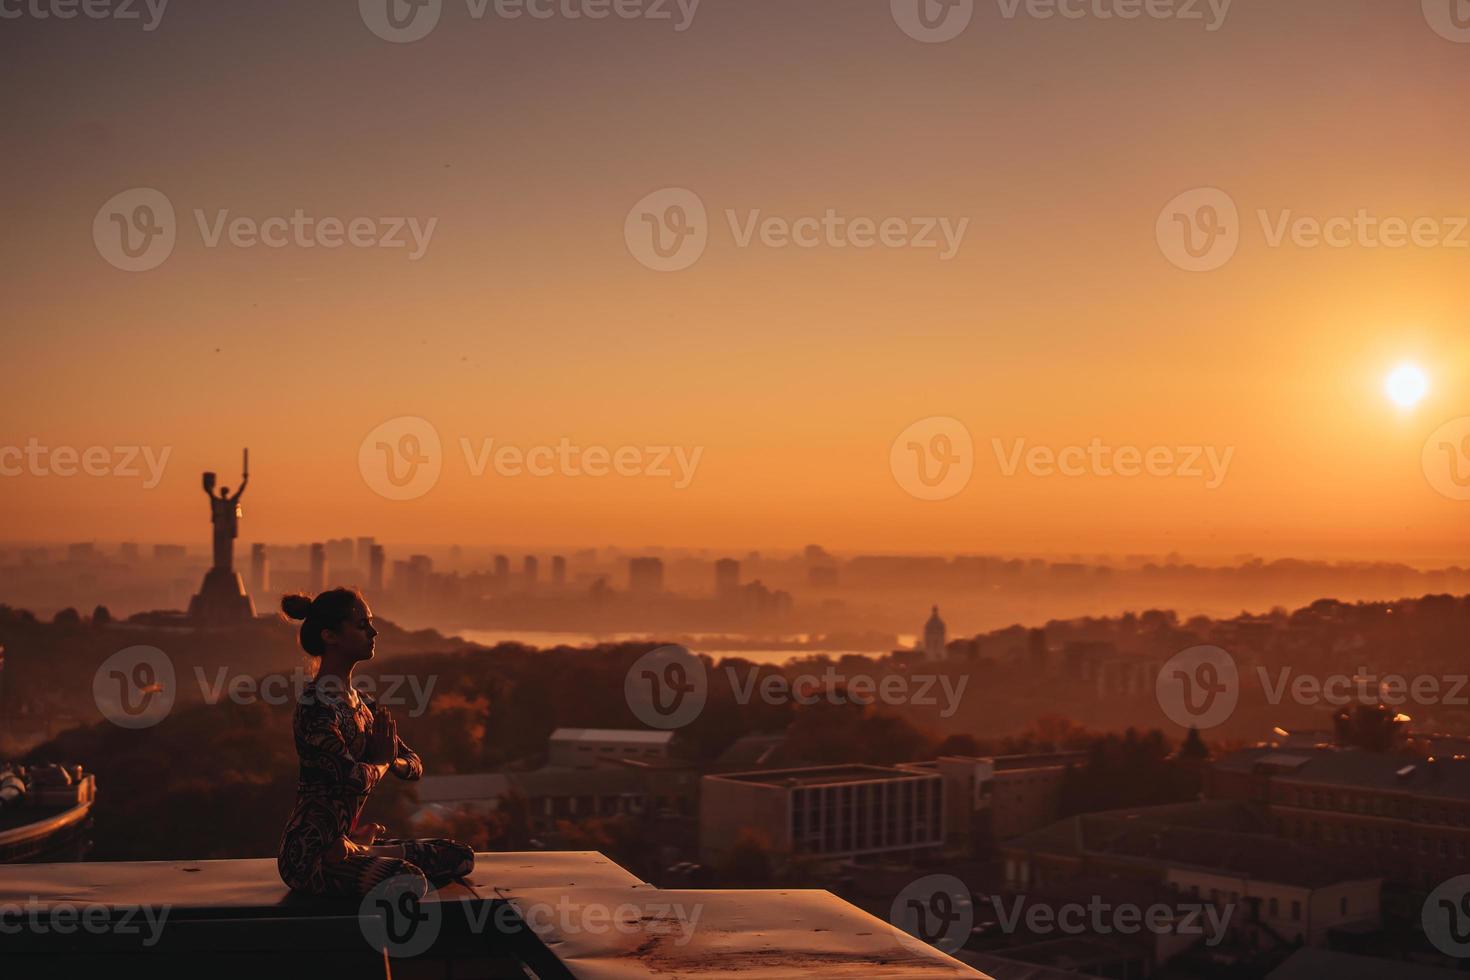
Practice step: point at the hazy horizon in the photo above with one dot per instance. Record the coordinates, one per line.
(474, 553)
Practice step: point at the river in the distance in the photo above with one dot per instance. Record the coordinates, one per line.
(549, 638)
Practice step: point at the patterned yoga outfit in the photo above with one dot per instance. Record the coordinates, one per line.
(331, 739)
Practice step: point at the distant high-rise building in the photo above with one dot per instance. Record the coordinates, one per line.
(129, 551)
(456, 557)
(934, 635)
(318, 577)
(364, 556)
(87, 551)
(727, 577)
(340, 553)
(376, 560)
(169, 552)
(412, 577)
(558, 570)
(530, 569)
(646, 575)
(260, 570)
(502, 567)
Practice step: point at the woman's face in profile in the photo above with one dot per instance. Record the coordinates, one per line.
(354, 637)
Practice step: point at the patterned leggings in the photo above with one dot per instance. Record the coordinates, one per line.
(424, 862)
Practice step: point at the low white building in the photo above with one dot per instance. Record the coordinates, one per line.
(1297, 908)
(824, 812)
(591, 748)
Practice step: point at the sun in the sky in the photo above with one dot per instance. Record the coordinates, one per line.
(1407, 385)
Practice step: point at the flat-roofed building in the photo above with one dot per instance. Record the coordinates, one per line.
(988, 799)
(551, 914)
(1292, 903)
(556, 794)
(1215, 851)
(827, 812)
(589, 748)
(1400, 816)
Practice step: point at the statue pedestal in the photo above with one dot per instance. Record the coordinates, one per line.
(222, 600)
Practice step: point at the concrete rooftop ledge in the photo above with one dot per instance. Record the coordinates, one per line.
(572, 914)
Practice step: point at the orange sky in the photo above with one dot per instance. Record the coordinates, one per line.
(529, 321)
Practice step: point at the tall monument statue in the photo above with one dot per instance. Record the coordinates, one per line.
(225, 513)
(222, 599)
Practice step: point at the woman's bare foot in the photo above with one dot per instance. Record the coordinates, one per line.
(367, 834)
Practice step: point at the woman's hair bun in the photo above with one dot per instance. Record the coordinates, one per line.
(296, 606)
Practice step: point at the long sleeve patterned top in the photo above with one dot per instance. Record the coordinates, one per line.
(331, 735)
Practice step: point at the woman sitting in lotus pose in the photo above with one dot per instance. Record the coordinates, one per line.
(346, 744)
